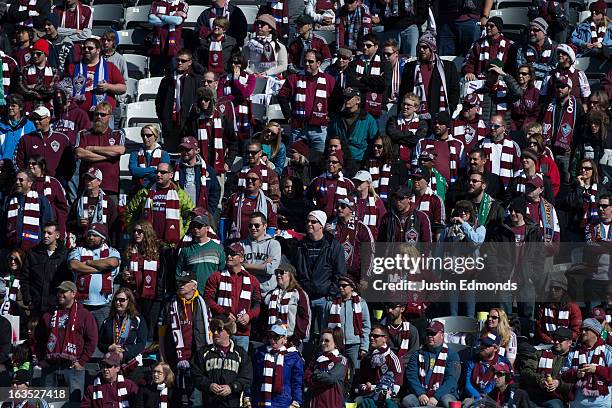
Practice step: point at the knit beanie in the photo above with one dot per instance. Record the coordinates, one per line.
(499, 23)
(429, 40)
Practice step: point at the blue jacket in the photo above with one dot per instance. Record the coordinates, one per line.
(451, 373)
(280, 158)
(10, 135)
(470, 389)
(146, 173)
(359, 136)
(292, 380)
(582, 36)
(346, 320)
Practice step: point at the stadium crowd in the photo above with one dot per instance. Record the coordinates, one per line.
(230, 270)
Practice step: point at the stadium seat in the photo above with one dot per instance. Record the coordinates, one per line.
(132, 41)
(138, 66)
(328, 36)
(275, 113)
(147, 89)
(458, 61)
(250, 12)
(137, 16)
(132, 138)
(193, 14)
(140, 113)
(132, 89)
(260, 85)
(582, 63)
(124, 166)
(459, 327)
(512, 16)
(108, 14)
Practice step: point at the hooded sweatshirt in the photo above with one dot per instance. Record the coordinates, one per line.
(256, 252)
(10, 133)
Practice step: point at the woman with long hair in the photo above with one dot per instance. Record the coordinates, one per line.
(293, 205)
(325, 376)
(144, 161)
(546, 162)
(267, 56)
(159, 391)
(144, 272)
(124, 330)
(526, 109)
(369, 207)
(596, 138)
(273, 146)
(497, 323)
(381, 161)
(581, 201)
(11, 275)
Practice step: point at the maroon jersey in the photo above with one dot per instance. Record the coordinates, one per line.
(109, 167)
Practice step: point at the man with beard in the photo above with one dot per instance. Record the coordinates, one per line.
(489, 211)
(477, 162)
(66, 339)
(403, 222)
(110, 386)
(13, 126)
(254, 161)
(37, 80)
(540, 376)
(304, 98)
(503, 154)
(54, 146)
(94, 79)
(433, 80)
(449, 151)
(468, 126)
(102, 147)
(25, 213)
(95, 266)
(196, 177)
(62, 47)
(403, 335)
(339, 72)
(543, 213)
(498, 93)
(588, 366)
(538, 51)
(67, 118)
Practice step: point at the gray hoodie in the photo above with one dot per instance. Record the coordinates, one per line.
(256, 252)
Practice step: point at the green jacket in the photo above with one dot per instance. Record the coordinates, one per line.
(204, 260)
(530, 379)
(135, 208)
(360, 134)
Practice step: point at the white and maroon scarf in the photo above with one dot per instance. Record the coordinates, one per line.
(589, 205)
(215, 55)
(98, 397)
(156, 156)
(598, 33)
(224, 295)
(421, 92)
(554, 318)
(381, 174)
(334, 314)
(373, 100)
(546, 362)
(405, 125)
(465, 132)
(278, 309)
(36, 76)
(100, 215)
(273, 373)
(211, 128)
(180, 330)
(505, 159)
(368, 213)
(66, 349)
(437, 376)
(265, 47)
(172, 226)
(501, 50)
(261, 206)
(590, 385)
(30, 7)
(262, 168)
(404, 333)
(202, 198)
(243, 111)
(319, 102)
(145, 277)
(327, 360)
(163, 395)
(84, 280)
(30, 230)
(565, 130)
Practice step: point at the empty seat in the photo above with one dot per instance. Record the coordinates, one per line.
(458, 61)
(132, 89)
(147, 88)
(124, 165)
(328, 36)
(133, 141)
(132, 41)
(512, 16)
(275, 113)
(140, 113)
(137, 16)
(108, 14)
(250, 12)
(138, 66)
(193, 14)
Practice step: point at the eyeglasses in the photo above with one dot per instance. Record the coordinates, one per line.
(586, 168)
(312, 222)
(147, 135)
(523, 73)
(90, 48)
(603, 206)
(162, 172)
(368, 45)
(333, 162)
(253, 153)
(493, 317)
(251, 179)
(500, 374)
(256, 225)
(494, 126)
(182, 61)
(475, 181)
(216, 330)
(209, 81)
(121, 300)
(138, 231)
(388, 54)
(376, 336)
(343, 285)
(101, 114)
(377, 146)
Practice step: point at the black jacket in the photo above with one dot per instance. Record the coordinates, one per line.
(458, 190)
(41, 275)
(371, 83)
(401, 22)
(238, 23)
(148, 396)
(210, 365)
(6, 340)
(164, 101)
(228, 46)
(135, 342)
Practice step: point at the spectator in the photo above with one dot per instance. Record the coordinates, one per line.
(262, 253)
(298, 164)
(559, 312)
(403, 222)
(546, 162)
(386, 172)
(498, 92)
(215, 51)
(543, 213)
(222, 8)
(503, 154)
(67, 117)
(489, 211)
(404, 337)
(525, 110)
(304, 98)
(66, 339)
(426, 200)
(63, 48)
(235, 293)
(255, 160)
(164, 205)
(161, 389)
(433, 371)
(110, 386)
(538, 52)
(402, 24)
(460, 24)
(353, 23)
(95, 266)
(325, 190)
(594, 140)
(109, 42)
(498, 324)
(167, 19)
(124, 331)
(279, 370)
(304, 41)
(293, 205)
(176, 95)
(339, 71)
(266, 55)
(273, 146)
(14, 125)
(579, 85)
(37, 79)
(369, 208)
(24, 37)
(405, 129)
(23, 230)
(51, 188)
(45, 267)
(593, 36)
(238, 86)
(29, 13)
(279, 10)
(449, 151)
(581, 200)
(289, 303)
(76, 20)
(587, 366)
(506, 391)
(144, 162)
(493, 46)
(599, 247)
(529, 161)
(102, 147)
(13, 272)
(9, 65)
(469, 127)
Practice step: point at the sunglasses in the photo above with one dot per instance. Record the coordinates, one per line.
(493, 317)
(333, 162)
(278, 272)
(534, 30)
(500, 374)
(475, 181)
(208, 81)
(251, 179)
(183, 61)
(523, 73)
(343, 285)
(121, 300)
(36, 54)
(256, 225)
(253, 153)
(376, 336)
(310, 61)
(586, 168)
(556, 288)
(147, 135)
(217, 330)
(101, 114)
(388, 54)
(162, 172)
(13, 259)
(490, 25)
(196, 225)
(368, 45)
(312, 222)
(32, 163)
(603, 206)
(341, 206)
(106, 365)
(342, 57)
(90, 48)
(494, 126)
(378, 146)
(138, 231)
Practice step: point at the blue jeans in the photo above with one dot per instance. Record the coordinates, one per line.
(314, 135)
(407, 39)
(61, 376)
(242, 341)
(319, 309)
(456, 38)
(468, 299)
(554, 403)
(351, 351)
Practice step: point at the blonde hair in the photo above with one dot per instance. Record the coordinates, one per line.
(534, 127)
(503, 326)
(153, 128)
(413, 97)
(168, 374)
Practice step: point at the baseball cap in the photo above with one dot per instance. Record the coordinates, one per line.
(189, 142)
(471, 100)
(562, 333)
(501, 368)
(404, 191)
(279, 328)
(490, 339)
(66, 286)
(304, 19)
(186, 276)
(235, 248)
(421, 172)
(99, 229)
(351, 92)
(201, 219)
(350, 204)
(535, 181)
(41, 112)
(112, 358)
(435, 327)
(363, 175)
(94, 173)
(286, 267)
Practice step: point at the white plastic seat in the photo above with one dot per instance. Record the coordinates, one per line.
(140, 113)
(193, 14)
(148, 88)
(108, 14)
(132, 41)
(137, 16)
(132, 89)
(138, 66)
(132, 138)
(250, 12)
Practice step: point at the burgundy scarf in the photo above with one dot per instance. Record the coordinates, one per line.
(405, 152)
(590, 385)
(172, 222)
(224, 295)
(565, 130)
(278, 309)
(84, 280)
(145, 275)
(437, 375)
(66, 349)
(546, 362)
(381, 174)
(99, 400)
(30, 229)
(215, 55)
(334, 314)
(373, 100)
(210, 130)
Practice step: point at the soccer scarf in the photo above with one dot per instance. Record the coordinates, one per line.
(30, 7)
(501, 101)
(336, 307)
(243, 110)
(100, 215)
(122, 332)
(482, 376)
(437, 376)
(181, 336)
(156, 156)
(396, 79)
(598, 33)
(421, 92)
(3, 89)
(261, 206)
(332, 187)
(172, 225)
(5, 307)
(30, 229)
(367, 213)
(373, 100)
(407, 125)
(66, 349)
(501, 50)
(554, 318)
(84, 280)
(224, 296)
(404, 332)
(565, 131)
(590, 385)
(546, 362)
(393, 10)
(521, 179)
(163, 395)
(47, 188)
(280, 12)
(505, 158)
(78, 12)
(544, 55)
(202, 199)
(600, 233)
(381, 174)
(278, 309)
(98, 397)
(36, 76)
(548, 220)
(327, 360)
(273, 373)
(353, 25)
(176, 8)
(483, 209)
(466, 132)
(215, 55)
(319, 104)
(589, 205)
(263, 171)
(210, 128)
(145, 275)
(179, 80)
(80, 81)
(265, 48)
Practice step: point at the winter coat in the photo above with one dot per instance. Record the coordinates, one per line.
(359, 136)
(452, 372)
(293, 372)
(12, 133)
(531, 378)
(582, 36)
(148, 397)
(325, 387)
(135, 342)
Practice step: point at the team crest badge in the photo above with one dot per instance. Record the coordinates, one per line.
(111, 141)
(55, 146)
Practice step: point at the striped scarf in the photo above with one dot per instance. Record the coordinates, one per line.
(265, 47)
(224, 295)
(66, 348)
(501, 50)
(367, 213)
(373, 100)
(30, 229)
(319, 102)
(278, 309)
(437, 376)
(211, 128)
(454, 150)
(78, 13)
(261, 206)
(80, 81)
(565, 131)
(145, 276)
(30, 7)
(262, 168)
(554, 318)
(243, 115)
(521, 179)
(179, 80)
(404, 333)
(280, 12)
(8, 64)
(598, 33)
(141, 158)
(505, 158)
(544, 56)
(47, 190)
(273, 373)
(172, 222)
(100, 212)
(333, 188)
(549, 223)
(591, 385)
(326, 361)
(467, 133)
(13, 291)
(163, 395)
(202, 199)
(100, 400)
(215, 55)
(84, 280)
(36, 76)
(396, 80)
(405, 125)
(381, 174)
(589, 205)
(334, 314)
(182, 330)
(421, 92)
(546, 362)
